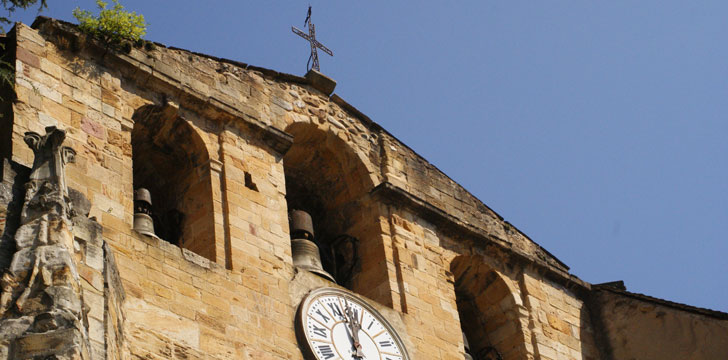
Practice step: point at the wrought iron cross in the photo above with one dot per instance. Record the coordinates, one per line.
(311, 37)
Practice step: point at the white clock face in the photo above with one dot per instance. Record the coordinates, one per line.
(340, 327)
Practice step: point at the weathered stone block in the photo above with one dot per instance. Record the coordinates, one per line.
(54, 320)
(81, 205)
(22, 263)
(62, 344)
(96, 330)
(27, 57)
(87, 230)
(63, 297)
(12, 328)
(162, 321)
(92, 277)
(196, 259)
(321, 82)
(32, 233)
(52, 257)
(94, 257)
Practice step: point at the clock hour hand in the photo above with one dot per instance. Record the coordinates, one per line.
(355, 327)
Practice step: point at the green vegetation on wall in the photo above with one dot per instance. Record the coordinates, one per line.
(115, 27)
(12, 5)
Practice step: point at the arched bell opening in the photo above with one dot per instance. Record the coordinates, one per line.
(170, 160)
(488, 313)
(326, 179)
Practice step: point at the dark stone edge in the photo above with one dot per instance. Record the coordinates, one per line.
(688, 308)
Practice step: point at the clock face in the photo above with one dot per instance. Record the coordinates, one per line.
(339, 326)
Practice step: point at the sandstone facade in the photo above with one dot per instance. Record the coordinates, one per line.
(227, 149)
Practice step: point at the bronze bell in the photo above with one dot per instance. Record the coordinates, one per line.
(305, 252)
(143, 222)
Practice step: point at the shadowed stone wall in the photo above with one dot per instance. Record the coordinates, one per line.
(640, 327)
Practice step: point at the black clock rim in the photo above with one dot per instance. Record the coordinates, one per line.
(304, 341)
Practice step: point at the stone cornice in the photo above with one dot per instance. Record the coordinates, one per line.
(391, 193)
(688, 308)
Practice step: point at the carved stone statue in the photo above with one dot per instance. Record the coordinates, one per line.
(46, 190)
(41, 307)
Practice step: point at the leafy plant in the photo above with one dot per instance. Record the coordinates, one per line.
(12, 5)
(113, 26)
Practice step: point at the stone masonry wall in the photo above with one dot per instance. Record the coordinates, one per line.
(638, 327)
(213, 310)
(561, 322)
(171, 303)
(546, 321)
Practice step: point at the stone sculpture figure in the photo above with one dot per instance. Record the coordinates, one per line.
(41, 307)
(46, 190)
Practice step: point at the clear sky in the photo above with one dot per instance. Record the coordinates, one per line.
(598, 128)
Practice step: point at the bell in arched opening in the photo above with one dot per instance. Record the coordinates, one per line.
(305, 252)
(143, 222)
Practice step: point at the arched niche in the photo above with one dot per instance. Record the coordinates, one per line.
(487, 305)
(171, 161)
(326, 178)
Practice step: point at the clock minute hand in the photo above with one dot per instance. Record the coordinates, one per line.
(355, 327)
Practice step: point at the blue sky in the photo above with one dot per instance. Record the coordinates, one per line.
(597, 128)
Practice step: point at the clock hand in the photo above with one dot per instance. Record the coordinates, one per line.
(353, 343)
(349, 323)
(355, 327)
(351, 337)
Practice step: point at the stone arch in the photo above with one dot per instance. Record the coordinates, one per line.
(170, 159)
(335, 149)
(488, 305)
(327, 178)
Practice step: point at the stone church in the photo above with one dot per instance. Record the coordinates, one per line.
(158, 203)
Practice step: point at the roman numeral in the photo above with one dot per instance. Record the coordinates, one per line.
(319, 331)
(336, 310)
(355, 312)
(385, 343)
(326, 318)
(326, 351)
(370, 325)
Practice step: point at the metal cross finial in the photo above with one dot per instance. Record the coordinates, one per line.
(311, 37)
